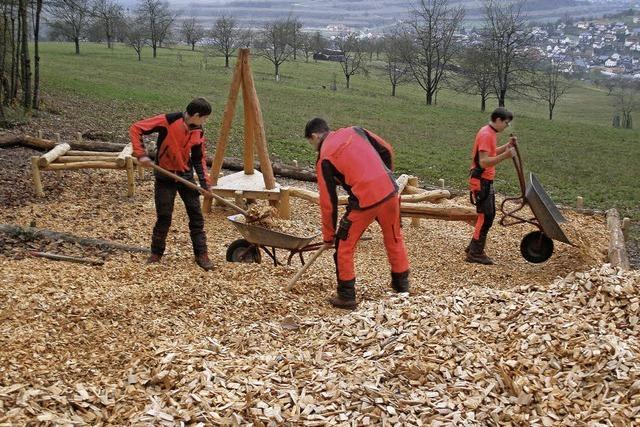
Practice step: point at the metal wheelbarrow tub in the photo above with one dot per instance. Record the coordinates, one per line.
(264, 237)
(545, 211)
(537, 246)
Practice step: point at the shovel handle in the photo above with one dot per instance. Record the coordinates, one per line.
(200, 189)
(305, 267)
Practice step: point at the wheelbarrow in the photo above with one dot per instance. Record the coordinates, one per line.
(258, 239)
(537, 246)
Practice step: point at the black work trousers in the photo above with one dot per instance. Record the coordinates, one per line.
(165, 194)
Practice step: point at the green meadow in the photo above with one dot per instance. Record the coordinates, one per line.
(579, 153)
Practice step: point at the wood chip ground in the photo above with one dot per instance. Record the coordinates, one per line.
(133, 344)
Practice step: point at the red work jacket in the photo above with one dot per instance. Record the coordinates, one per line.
(361, 162)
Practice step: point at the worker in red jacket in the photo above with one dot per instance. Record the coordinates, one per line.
(180, 149)
(361, 162)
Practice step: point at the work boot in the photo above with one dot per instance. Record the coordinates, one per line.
(400, 281)
(204, 262)
(345, 296)
(476, 253)
(154, 259)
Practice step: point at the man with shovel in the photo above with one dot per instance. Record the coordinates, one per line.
(361, 162)
(485, 156)
(180, 149)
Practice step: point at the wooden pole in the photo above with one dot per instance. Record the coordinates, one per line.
(249, 132)
(260, 138)
(238, 199)
(227, 119)
(127, 151)
(53, 154)
(617, 250)
(284, 204)
(131, 182)
(579, 202)
(140, 172)
(82, 165)
(58, 257)
(413, 181)
(73, 159)
(36, 176)
(441, 182)
(305, 267)
(92, 153)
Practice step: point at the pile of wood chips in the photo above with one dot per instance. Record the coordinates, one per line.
(129, 343)
(268, 218)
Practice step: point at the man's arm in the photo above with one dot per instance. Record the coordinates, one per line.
(145, 127)
(381, 146)
(486, 161)
(328, 200)
(513, 141)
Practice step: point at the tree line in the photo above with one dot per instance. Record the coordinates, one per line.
(500, 61)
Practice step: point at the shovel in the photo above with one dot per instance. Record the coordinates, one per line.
(207, 193)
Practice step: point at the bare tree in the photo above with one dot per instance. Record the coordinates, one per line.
(295, 35)
(318, 43)
(626, 100)
(394, 45)
(432, 28)
(107, 14)
(226, 36)
(70, 18)
(353, 56)
(550, 84)
(158, 20)
(476, 74)
(25, 59)
(135, 34)
(306, 45)
(274, 45)
(36, 12)
(192, 32)
(506, 35)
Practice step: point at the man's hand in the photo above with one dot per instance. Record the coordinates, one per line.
(145, 162)
(513, 140)
(510, 152)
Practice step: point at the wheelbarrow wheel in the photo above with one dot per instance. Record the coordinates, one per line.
(243, 251)
(536, 247)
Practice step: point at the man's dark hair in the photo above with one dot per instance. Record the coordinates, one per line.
(315, 125)
(199, 106)
(501, 113)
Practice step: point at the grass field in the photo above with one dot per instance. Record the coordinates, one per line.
(578, 153)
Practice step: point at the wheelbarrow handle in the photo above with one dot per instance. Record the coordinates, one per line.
(304, 268)
(517, 163)
(200, 189)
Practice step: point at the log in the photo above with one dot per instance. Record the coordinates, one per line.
(312, 196)
(227, 120)
(37, 177)
(92, 153)
(402, 182)
(432, 196)
(55, 235)
(77, 145)
(82, 165)
(259, 132)
(617, 250)
(74, 159)
(413, 182)
(127, 151)
(53, 154)
(284, 204)
(131, 182)
(249, 132)
(8, 141)
(447, 213)
(59, 257)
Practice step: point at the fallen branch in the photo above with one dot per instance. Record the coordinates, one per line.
(55, 235)
(59, 257)
(617, 249)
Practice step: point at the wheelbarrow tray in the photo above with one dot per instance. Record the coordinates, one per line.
(261, 236)
(545, 210)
